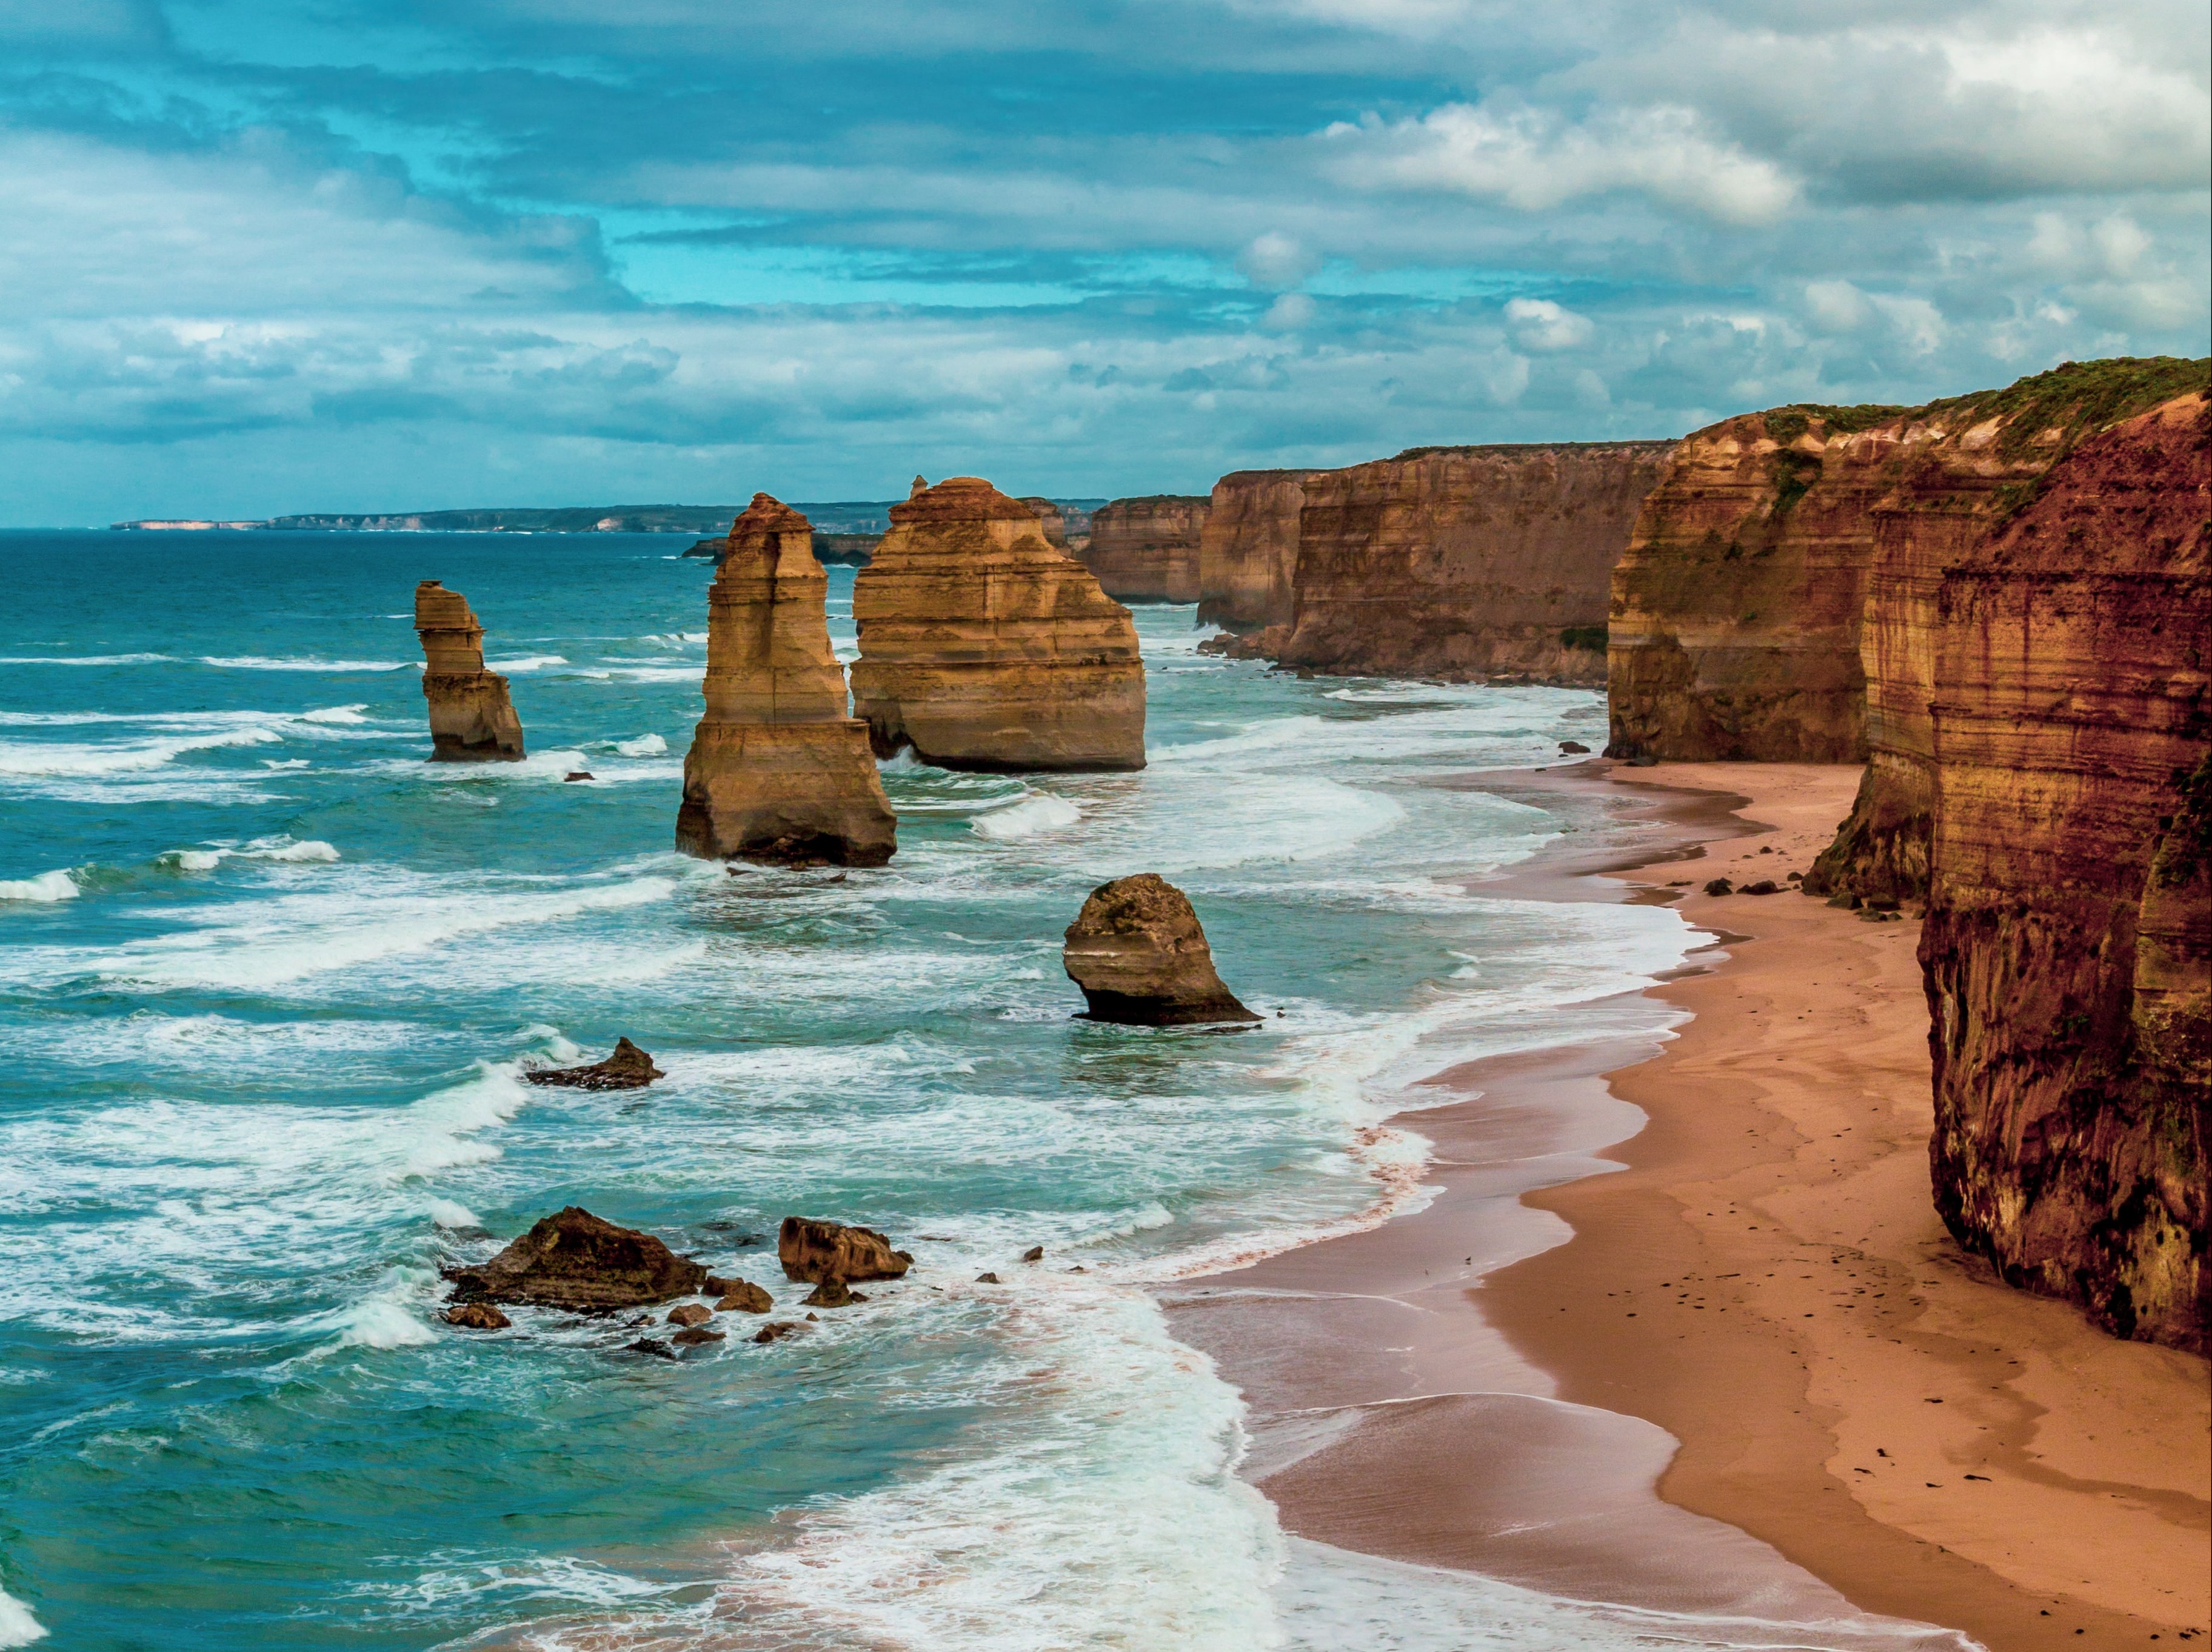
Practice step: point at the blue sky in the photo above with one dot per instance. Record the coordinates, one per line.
(376, 254)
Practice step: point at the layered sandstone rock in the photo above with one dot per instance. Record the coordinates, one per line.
(1049, 519)
(1466, 562)
(820, 1252)
(778, 770)
(2066, 945)
(983, 647)
(1137, 951)
(1147, 549)
(1247, 550)
(1961, 467)
(472, 719)
(575, 1260)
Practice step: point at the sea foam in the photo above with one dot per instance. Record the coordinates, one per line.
(18, 1626)
(1041, 811)
(46, 887)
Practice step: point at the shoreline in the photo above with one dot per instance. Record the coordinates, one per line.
(1470, 1386)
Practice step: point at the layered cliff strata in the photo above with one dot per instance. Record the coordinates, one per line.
(1137, 951)
(1247, 550)
(1466, 562)
(1962, 467)
(1147, 549)
(2069, 919)
(983, 647)
(779, 770)
(472, 719)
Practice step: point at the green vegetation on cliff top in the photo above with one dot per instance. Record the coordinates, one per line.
(2074, 396)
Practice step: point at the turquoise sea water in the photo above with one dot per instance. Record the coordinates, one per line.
(266, 980)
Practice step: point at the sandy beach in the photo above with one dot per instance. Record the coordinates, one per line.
(1740, 1296)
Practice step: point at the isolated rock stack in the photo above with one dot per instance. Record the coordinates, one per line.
(1137, 951)
(472, 719)
(778, 769)
(983, 647)
(1146, 549)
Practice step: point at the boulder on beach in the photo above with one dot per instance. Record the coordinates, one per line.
(472, 719)
(575, 1260)
(628, 1068)
(1137, 951)
(814, 1251)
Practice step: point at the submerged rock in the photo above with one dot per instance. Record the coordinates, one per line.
(575, 1260)
(652, 1345)
(690, 1313)
(984, 646)
(693, 1336)
(472, 719)
(628, 1068)
(476, 1317)
(832, 1293)
(779, 770)
(814, 1251)
(1137, 953)
(776, 1332)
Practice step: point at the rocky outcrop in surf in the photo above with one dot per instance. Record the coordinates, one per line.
(983, 647)
(1137, 951)
(1146, 549)
(1466, 563)
(817, 1251)
(628, 1068)
(2067, 943)
(575, 1260)
(472, 719)
(779, 770)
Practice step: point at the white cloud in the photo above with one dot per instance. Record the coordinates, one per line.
(1540, 325)
(1275, 260)
(1535, 160)
(1289, 313)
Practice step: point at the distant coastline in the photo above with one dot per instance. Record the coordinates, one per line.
(862, 516)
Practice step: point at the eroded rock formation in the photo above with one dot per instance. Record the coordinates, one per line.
(779, 770)
(983, 647)
(472, 719)
(1147, 549)
(1466, 562)
(1137, 951)
(2069, 919)
(574, 1260)
(1247, 550)
(628, 1068)
(1049, 518)
(817, 1251)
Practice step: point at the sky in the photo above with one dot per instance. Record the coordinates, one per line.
(276, 256)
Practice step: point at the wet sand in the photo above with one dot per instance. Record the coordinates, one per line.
(1496, 1382)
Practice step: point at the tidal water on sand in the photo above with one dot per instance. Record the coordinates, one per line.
(267, 980)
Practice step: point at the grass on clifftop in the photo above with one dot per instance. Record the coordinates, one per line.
(2078, 398)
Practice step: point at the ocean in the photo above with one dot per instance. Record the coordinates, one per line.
(267, 980)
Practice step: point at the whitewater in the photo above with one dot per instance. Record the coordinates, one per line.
(267, 981)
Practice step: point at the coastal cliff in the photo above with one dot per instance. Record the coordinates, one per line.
(1247, 550)
(472, 718)
(779, 770)
(983, 647)
(2066, 944)
(1147, 549)
(1961, 467)
(1482, 562)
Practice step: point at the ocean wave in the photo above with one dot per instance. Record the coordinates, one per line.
(1041, 811)
(525, 663)
(281, 848)
(264, 663)
(645, 745)
(32, 758)
(84, 659)
(336, 714)
(18, 1626)
(47, 887)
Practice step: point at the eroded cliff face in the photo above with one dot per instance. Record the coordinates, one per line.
(1147, 549)
(1961, 468)
(983, 647)
(778, 769)
(472, 719)
(1247, 550)
(1466, 562)
(2069, 918)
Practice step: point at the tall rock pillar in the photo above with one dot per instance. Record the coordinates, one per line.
(472, 719)
(778, 770)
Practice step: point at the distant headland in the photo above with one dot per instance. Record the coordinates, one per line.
(865, 516)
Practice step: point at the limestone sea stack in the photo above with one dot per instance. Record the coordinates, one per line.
(778, 769)
(1248, 551)
(1137, 951)
(820, 1252)
(984, 647)
(1146, 549)
(2067, 944)
(472, 719)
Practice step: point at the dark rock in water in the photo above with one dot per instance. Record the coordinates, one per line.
(574, 1260)
(814, 1251)
(1764, 886)
(1034, 1253)
(775, 1332)
(628, 1068)
(477, 1316)
(1137, 953)
(693, 1336)
(740, 1235)
(742, 1297)
(988, 1278)
(1720, 886)
(652, 1346)
(689, 1313)
(833, 1293)
(1572, 747)
(579, 775)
